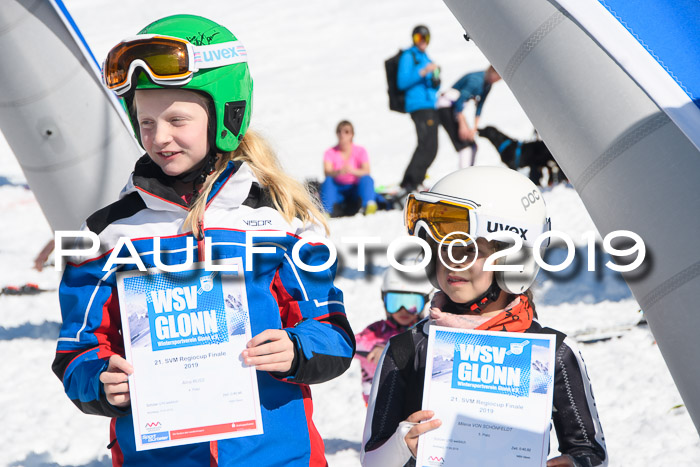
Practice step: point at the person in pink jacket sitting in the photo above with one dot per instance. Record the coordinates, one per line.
(405, 298)
(347, 183)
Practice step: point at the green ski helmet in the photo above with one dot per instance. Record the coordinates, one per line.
(230, 87)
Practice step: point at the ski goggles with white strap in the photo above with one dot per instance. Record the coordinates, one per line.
(168, 61)
(448, 218)
(412, 302)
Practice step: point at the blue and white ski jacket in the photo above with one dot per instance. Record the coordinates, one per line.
(280, 296)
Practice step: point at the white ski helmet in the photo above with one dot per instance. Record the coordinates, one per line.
(409, 282)
(482, 201)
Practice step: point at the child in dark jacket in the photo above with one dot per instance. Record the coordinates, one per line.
(467, 204)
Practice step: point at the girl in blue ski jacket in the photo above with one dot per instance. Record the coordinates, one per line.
(205, 176)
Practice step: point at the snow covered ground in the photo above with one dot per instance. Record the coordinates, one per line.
(315, 63)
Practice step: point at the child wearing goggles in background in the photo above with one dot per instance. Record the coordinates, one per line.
(206, 176)
(404, 297)
(468, 202)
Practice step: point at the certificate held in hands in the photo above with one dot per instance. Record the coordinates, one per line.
(493, 393)
(183, 334)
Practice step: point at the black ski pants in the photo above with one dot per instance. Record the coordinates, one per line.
(449, 123)
(426, 121)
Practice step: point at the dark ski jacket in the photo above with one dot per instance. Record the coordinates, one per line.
(280, 296)
(574, 413)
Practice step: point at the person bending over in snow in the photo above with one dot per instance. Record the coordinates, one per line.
(450, 106)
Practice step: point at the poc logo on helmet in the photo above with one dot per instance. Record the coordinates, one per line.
(530, 199)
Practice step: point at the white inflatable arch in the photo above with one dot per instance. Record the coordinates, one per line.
(612, 86)
(67, 132)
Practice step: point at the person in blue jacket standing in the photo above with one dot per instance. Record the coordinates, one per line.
(450, 105)
(418, 77)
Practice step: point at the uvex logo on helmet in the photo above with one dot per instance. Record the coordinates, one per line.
(530, 199)
(212, 54)
(496, 226)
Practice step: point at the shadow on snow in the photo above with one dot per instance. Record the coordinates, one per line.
(46, 330)
(44, 460)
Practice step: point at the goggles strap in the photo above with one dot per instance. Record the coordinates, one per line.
(216, 55)
(488, 224)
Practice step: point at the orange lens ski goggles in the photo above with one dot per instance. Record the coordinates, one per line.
(168, 61)
(440, 214)
(446, 216)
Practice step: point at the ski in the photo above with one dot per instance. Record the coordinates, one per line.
(26, 289)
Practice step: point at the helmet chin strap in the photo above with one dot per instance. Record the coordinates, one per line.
(478, 304)
(199, 175)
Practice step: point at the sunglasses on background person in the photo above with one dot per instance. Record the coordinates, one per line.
(417, 37)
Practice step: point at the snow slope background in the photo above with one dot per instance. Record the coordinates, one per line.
(315, 63)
